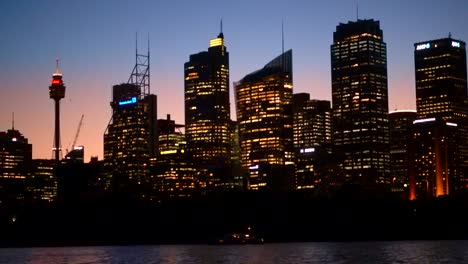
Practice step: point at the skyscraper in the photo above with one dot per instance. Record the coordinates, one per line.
(265, 117)
(312, 140)
(207, 109)
(131, 137)
(360, 101)
(401, 123)
(441, 82)
(128, 141)
(441, 93)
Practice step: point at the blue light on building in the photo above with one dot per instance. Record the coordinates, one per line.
(131, 101)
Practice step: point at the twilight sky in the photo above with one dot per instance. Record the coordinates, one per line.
(95, 41)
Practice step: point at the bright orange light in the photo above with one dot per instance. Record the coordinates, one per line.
(55, 81)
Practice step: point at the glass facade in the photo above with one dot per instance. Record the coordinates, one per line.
(265, 119)
(207, 110)
(360, 101)
(129, 140)
(400, 137)
(312, 140)
(441, 93)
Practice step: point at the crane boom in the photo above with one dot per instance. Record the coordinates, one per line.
(77, 132)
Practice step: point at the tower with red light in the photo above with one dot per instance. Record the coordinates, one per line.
(57, 92)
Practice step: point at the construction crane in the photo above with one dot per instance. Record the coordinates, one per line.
(77, 133)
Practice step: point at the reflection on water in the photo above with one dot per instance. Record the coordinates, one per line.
(349, 252)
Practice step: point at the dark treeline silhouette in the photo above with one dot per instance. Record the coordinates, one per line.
(351, 213)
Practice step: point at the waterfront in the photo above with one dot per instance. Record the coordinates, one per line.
(453, 251)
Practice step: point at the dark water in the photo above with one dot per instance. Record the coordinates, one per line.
(346, 252)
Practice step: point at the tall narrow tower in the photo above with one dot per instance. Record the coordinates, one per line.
(207, 112)
(360, 101)
(57, 92)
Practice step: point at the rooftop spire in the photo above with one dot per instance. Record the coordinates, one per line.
(221, 35)
(57, 70)
(13, 121)
(282, 36)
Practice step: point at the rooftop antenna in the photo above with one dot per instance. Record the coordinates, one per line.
(136, 46)
(450, 34)
(12, 120)
(221, 25)
(357, 10)
(282, 37)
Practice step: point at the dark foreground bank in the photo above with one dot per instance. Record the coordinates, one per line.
(349, 215)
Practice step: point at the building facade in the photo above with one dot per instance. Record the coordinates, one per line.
(360, 101)
(312, 130)
(130, 139)
(207, 108)
(401, 123)
(15, 163)
(434, 162)
(172, 171)
(265, 118)
(441, 93)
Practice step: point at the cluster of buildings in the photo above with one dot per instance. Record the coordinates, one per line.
(281, 140)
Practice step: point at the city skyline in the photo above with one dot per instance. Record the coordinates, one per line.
(99, 53)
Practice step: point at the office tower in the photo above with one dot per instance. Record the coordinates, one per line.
(128, 141)
(42, 182)
(173, 172)
(440, 67)
(264, 115)
(57, 92)
(207, 110)
(360, 101)
(15, 162)
(434, 162)
(312, 131)
(401, 122)
(441, 92)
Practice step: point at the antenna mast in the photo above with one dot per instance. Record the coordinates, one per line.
(282, 37)
(141, 72)
(357, 10)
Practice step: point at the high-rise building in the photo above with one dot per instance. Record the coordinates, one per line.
(441, 82)
(173, 173)
(434, 160)
(401, 122)
(42, 181)
(207, 108)
(312, 130)
(360, 101)
(15, 163)
(265, 118)
(130, 141)
(441, 93)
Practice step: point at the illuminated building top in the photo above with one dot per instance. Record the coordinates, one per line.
(216, 42)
